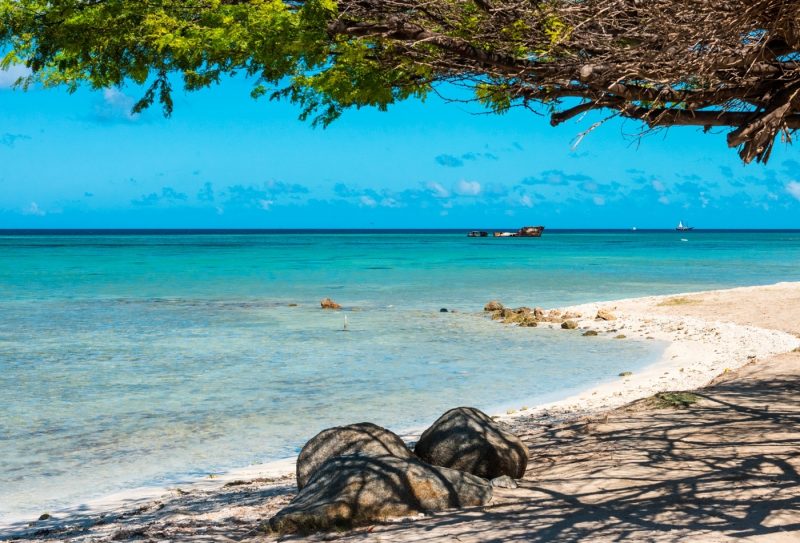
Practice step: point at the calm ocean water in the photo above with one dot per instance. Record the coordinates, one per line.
(144, 359)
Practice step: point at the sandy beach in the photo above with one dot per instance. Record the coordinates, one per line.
(606, 464)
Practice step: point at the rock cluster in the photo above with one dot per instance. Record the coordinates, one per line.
(525, 316)
(362, 473)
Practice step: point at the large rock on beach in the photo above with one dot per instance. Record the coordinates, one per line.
(468, 440)
(363, 439)
(494, 305)
(327, 303)
(348, 491)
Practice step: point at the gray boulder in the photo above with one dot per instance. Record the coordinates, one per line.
(364, 438)
(468, 440)
(348, 491)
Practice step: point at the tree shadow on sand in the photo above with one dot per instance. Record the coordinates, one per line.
(725, 468)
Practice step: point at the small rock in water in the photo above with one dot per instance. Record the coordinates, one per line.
(590, 333)
(504, 481)
(494, 305)
(443, 310)
(569, 325)
(626, 374)
(327, 303)
(45, 516)
(620, 336)
(292, 305)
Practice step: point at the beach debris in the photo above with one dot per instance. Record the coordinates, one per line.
(344, 327)
(590, 333)
(510, 411)
(494, 305)
(569, 325)
(364, 439)
(354, 490)
(327, 303)
(626, 374)
(605, 315)
(467, 439)
(504, 481)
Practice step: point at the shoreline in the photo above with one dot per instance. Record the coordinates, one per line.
(698, 351)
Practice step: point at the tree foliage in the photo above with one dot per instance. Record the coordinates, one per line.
(707, 63)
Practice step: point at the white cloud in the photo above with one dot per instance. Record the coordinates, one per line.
(116, 105)
(265, 204)
(659, 186)
(368, 201)
(468, 188)
(704, 201)
(10, 75)
(793, 188)
(390, 202)
(664, 200)
(438, 190)
(599, 201)
(525, 201)
(34, 209)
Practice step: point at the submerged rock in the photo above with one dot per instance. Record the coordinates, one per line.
(569, 325)
(327, 303)
(494, 305)
(364, 439)
(467, 439)
(348, 491)
(443, 310)
(590, 333)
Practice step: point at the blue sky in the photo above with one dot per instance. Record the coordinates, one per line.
(225, 160)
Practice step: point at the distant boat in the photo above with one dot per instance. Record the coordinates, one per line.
(683, 227)
(524, 232)
(477, 234)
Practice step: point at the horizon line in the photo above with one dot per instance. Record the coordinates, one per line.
(181, 230)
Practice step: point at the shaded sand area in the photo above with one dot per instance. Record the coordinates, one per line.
(720, 464)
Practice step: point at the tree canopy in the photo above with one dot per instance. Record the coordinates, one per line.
(707, 63)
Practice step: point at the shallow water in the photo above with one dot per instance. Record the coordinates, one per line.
(136, 360)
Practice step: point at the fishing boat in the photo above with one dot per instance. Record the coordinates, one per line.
(524, 232)
(683, 227)
(477, 234)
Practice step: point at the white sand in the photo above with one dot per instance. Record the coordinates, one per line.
(699, 349)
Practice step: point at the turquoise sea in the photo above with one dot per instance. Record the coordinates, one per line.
(150, 358)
